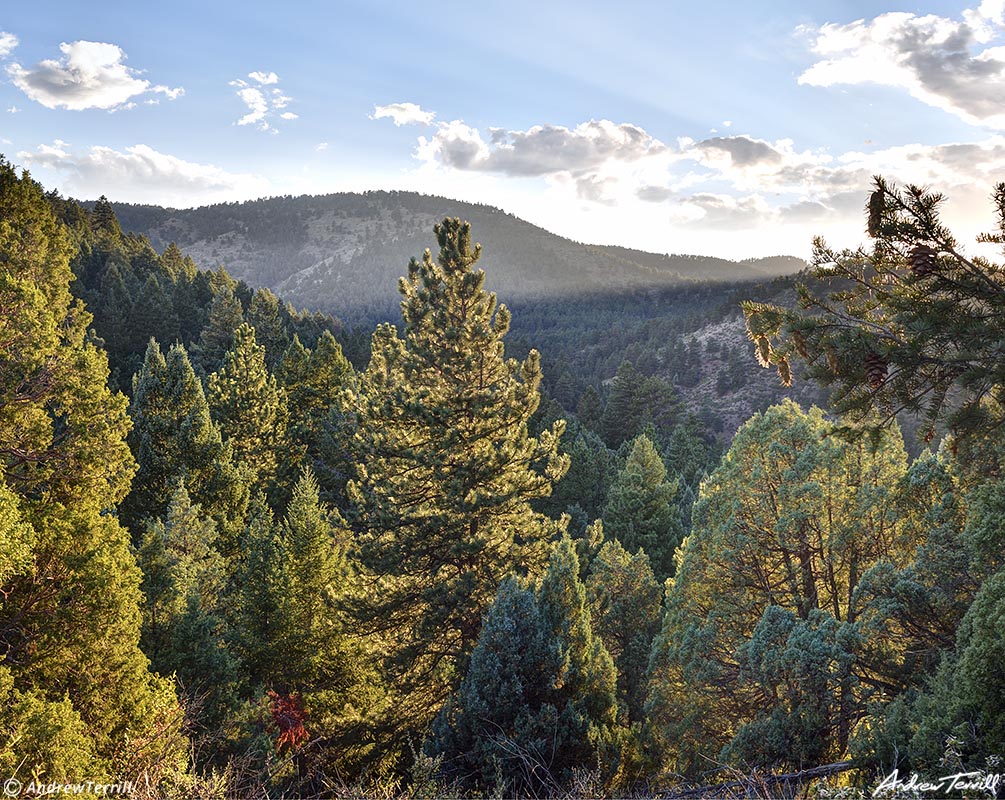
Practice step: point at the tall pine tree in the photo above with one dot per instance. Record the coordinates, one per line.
(446, 472)
(640, 509)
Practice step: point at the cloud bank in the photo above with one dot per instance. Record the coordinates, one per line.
(140, 174)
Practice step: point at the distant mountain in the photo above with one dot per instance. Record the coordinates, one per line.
(343, 253)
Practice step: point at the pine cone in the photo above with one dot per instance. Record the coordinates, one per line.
(876, 206)
(875, 369)
(924, 260)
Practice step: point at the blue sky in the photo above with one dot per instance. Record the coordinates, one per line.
(726, 128)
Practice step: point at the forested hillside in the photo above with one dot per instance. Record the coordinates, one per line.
(246, 553)
(343, 253)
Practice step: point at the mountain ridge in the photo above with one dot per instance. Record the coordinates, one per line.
(343, 252)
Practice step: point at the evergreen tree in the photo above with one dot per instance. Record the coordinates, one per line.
(74, 684)
(294, 586)
(634, 401)
(105, 224)
(294, 576)
(538, 700)
(173, 438)
(314, 381)
(445, 473)
(592, 468)
(640, 511)
(265, 316)
(225, 317)
(183, 630)
(250, 408)
(911, 324)
(175, 263)
(589, 409)
(625, 605)
(790, 520)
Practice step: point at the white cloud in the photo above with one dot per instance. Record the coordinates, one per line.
(140, 174)
(321, 146)
(541, 150)
(937, 60)
(264, 104)
(88, 75)
(404, 114)
(8, 41)
(265, 78)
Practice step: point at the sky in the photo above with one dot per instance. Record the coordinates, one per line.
(734, 129)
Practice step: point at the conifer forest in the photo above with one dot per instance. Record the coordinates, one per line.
(238, 563)
(560, 400)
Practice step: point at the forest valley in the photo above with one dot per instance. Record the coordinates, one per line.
(246, 552)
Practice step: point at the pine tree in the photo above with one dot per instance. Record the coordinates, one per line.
(105, 224)
(183, 629)
(589, 409)
(217, 338)
(911, 324)
(173, 438)
(250, 408)
(314, 381)
(264, 315)
(641, 511)
(625, 605)
(446, 471)
(294, 630)
(592, 469)
(636, 400)
(74, 684)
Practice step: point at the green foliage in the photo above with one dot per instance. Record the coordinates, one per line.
(69, 606)
(634, 401)
(314, 381)
(592, 469)
(446, 471)
(805, 666)
(265, 316)
(174, 439)
(183, 630)
(791, 518)
(17, 537)
(225, 316)
(43, 739)
(625, 604)
(910, 324)
(961, 703)
(251, 410)
(538, 700)
(640, 511)
(293, 586)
